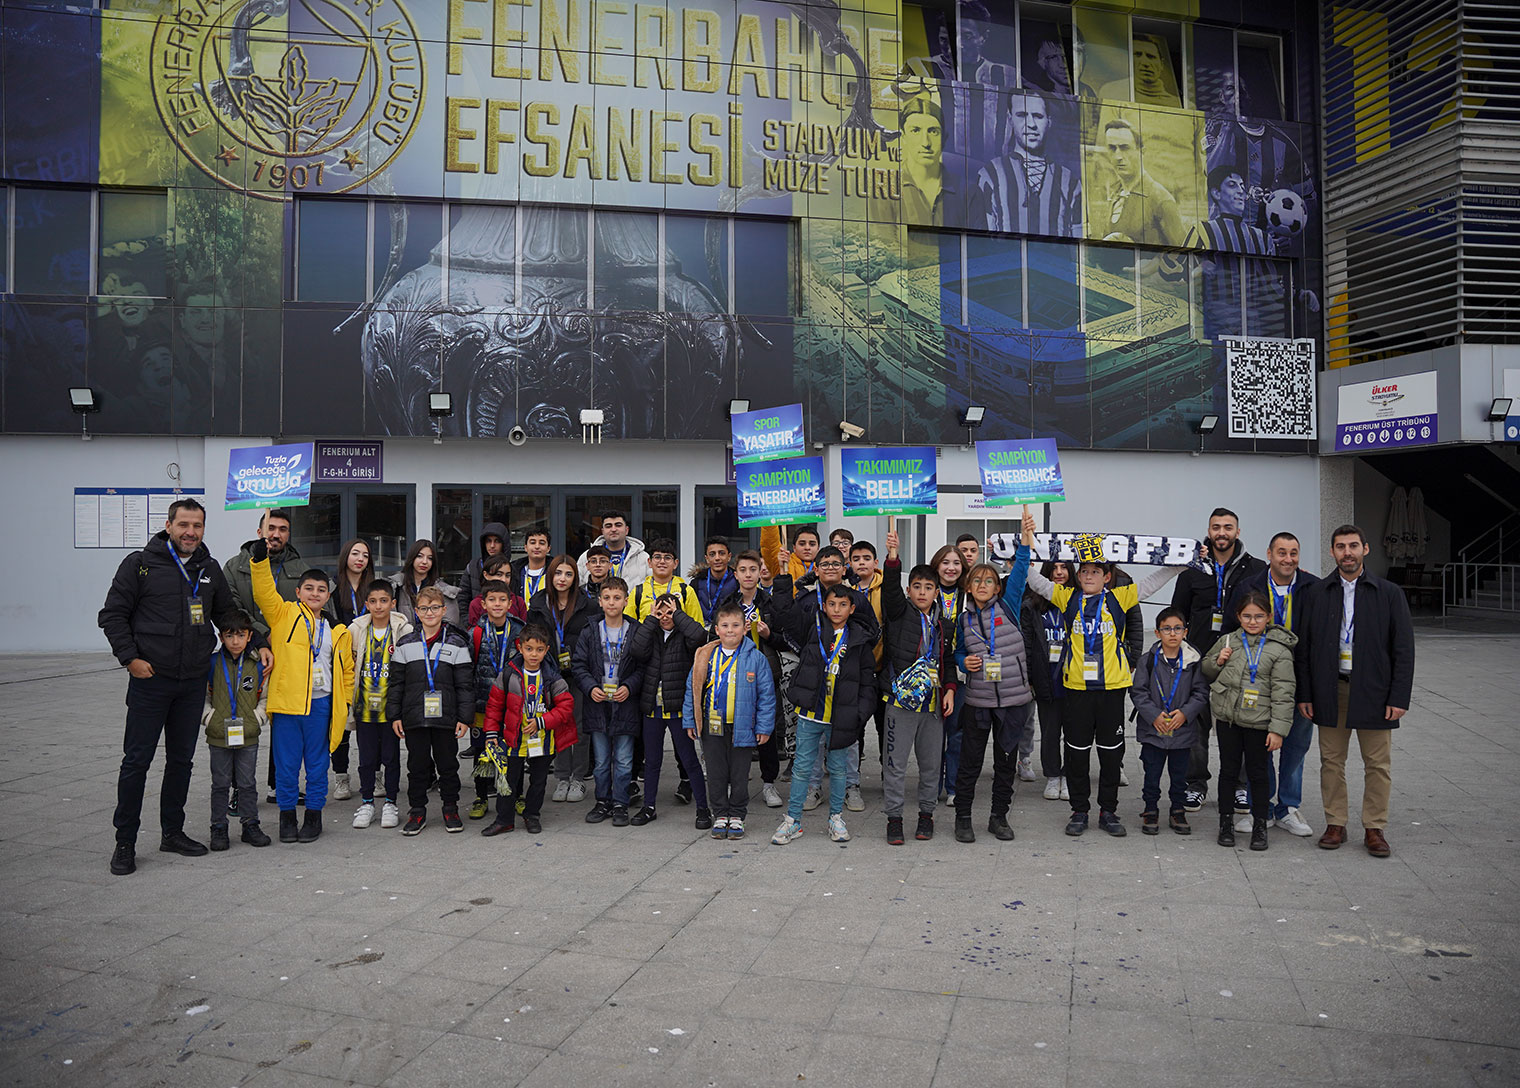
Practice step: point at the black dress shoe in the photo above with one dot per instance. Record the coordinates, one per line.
(219, 839)
(177, 842)
(311, 828)
(963, 832)
(998, 826)
(290, 831)
(254, 835)
(123, 859)
(643, 816)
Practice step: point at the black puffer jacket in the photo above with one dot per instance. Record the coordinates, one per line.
(147, 613)
(1037, 646)
(542, 613)
(453, 676)
(666, 661)
(855, 687)
(905, 630)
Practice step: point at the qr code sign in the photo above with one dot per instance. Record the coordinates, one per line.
(1271, 388)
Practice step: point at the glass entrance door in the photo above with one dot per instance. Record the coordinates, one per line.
(583, 516)
(381, 516)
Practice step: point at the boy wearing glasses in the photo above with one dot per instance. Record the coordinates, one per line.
(1169, 695)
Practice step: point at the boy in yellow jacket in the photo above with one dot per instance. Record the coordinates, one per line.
(310, 686)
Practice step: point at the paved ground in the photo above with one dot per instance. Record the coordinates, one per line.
(599, 956)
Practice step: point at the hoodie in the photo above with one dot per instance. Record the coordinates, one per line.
(633, 567)
(469, 581)
(1152, 688)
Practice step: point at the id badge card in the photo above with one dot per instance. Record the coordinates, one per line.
(235, 737)
(1345, 657)
(992, 668)
(375, 703)
(564, 660)
(318, 676)
(1249, 697)
(1216, 621)
(197, 612)
(714, 724)
(535, 744)
(1090, 669)
(1055, 654)
(432, 704)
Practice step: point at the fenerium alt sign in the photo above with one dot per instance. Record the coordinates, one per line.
(278, 96)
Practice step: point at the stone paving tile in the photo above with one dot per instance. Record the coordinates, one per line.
(657, 956)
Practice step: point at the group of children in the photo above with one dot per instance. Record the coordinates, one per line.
(548, 661)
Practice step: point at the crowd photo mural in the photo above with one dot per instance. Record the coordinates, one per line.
(304, 216)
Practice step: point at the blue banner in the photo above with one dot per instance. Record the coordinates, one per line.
(1018, 472)
(877, 480)
(768, 433)
(263, 476)
(782, 491)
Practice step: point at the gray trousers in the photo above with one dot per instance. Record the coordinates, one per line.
(235, 767)
(923, 734)
(727, 775)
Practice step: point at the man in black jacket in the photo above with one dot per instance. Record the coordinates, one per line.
(157, 616)
(1202, 597)
(1355, 661)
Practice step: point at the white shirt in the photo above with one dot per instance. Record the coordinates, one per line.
(322, 684)
(1348, 605)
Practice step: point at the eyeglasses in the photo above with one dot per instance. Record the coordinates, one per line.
(831, 564)
(1171, 629)
(430, 608)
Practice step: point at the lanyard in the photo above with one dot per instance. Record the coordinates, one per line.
(613, 652)
(532, 582)
(1253, 660)
(559, 628)
(989, 633)
(752, 616)
(1349, 624)
(316, 639)
(232, 689)
(194, 583)
(1055, 629)
(1219, 586)
(1092, 627)
(353, 599)
(1176, 676)
(926, 638)
(430, 662)
(1279, 601)
(831, 656)
(497, 643)
(371, 644)
(719, 687)
(711, 596)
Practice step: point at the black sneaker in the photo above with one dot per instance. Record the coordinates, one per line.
(683, 793)
(1109, 821)
(963, 832)
(451, 821)
(219, 839)
(1077, 824)
(599, 812)
(1177, 821)
(270, 799)
(1150, 823)
(493, 828)
(643, 816)
(532, 825)
(414, 823)
(289, 830)
(620, 816)
(1258, 834)
(894, 831)
(998, 827)
(1195, 798)
(123, 859)
(635, 794)
(254, 835)
(311, 827)
(704, 819)
(1226, 830)
(925, 830)
(177, 842)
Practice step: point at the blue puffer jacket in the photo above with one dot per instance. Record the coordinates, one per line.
(754, 702)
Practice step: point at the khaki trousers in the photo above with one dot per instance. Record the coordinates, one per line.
(1377, 764)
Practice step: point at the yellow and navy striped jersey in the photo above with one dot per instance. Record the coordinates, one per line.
(1093, 622)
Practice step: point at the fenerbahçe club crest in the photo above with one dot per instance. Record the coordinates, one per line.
(274, 97)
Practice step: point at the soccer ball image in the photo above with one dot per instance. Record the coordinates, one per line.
(1285, 213)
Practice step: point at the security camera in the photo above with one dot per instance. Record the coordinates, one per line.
(517, 436)
(850, 430)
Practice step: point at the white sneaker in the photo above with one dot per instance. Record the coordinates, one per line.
(1294, 824)
(365, 816)
(853, 800)
(561, 790)
(1026, 772)
(772, 798)
(1243, 824)
(1053, 789)
(341, 789)
(390, 815)
(1123, 778)
(1065, 793)
(837, 831)
(720, 828)
(577, 791)
(813, 799)
(790, 829)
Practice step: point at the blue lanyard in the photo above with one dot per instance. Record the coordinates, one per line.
(371, 643)
(430, 662)
(497, 643)
(711, 596)
(354, 600)
(232, 689)
(1279, 602)
(316, 639)
(1349, 630)
(1055, 630)
(1176, 676)
(988, 633)
(927, 637)
(1253, 660)
(719, 686)
(831, 656)
(613, 653)
(531, 584)
(1092, 627)
(194, 583)
(1219, 586)
(559, 628)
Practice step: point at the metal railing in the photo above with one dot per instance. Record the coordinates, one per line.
(1489, 547)
(1492, 587)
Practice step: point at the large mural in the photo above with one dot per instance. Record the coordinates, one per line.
(313, 213)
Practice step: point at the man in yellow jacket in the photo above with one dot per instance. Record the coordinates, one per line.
(310, 686)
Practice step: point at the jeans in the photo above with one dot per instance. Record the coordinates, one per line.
(378, 747)
(951, 765)
(1093, 719)
(1050, 736)
(1288, 782)
(812, 735)
(158, 706)
(851, 768)
(235, 767)
(614, 767)
(299, 739)
(981, 722)
(1175, 760)
(655, 728)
